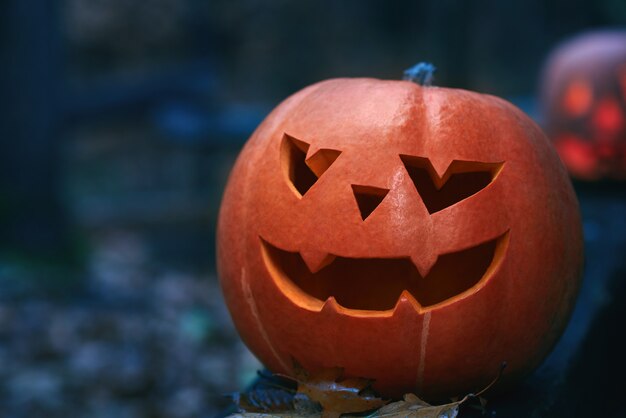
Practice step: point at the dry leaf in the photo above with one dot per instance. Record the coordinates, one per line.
(302, 407)
(348, 396)
(273, 400)
(410, 407)
(335, 395)
(305, 406)
(414, 407)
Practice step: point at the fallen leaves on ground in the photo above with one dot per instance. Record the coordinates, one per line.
(413, 407)
(410, 407)
(336, 396)
(326, 395)
(265, 399)
(322, 394)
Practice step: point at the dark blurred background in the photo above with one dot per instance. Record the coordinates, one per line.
(119, 121)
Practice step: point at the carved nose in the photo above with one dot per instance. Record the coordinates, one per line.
(368, 198)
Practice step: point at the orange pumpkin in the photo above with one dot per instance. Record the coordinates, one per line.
(417, 236)
(584, 100)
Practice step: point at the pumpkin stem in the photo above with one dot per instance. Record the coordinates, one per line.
(421, 73)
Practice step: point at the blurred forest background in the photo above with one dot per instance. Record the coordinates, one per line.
(119, 121)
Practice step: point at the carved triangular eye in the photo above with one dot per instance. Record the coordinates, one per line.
(302, 172)
(461, 180)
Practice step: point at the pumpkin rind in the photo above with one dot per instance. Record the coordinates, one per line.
(514, 314)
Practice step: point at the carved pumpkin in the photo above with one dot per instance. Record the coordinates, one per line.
(418, 236)
(584, 97)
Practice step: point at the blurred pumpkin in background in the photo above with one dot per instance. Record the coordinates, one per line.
(584, 103)
(418, 236)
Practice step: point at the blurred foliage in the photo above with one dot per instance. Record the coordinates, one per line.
(266, 50)
(108, 36)
(139, 340)
(271, 49)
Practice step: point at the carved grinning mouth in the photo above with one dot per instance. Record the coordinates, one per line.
(376, 284)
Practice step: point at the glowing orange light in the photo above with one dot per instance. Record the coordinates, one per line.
(578, 155)
(608, 117)
(577, 98)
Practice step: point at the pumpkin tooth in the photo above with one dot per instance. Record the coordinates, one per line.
(424, 263)
(316, 260)
(406, 304)
(331, 305)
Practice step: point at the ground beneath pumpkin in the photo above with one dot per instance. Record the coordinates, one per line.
(134, 341)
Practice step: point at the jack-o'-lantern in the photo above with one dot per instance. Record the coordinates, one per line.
(584, 99)
(417, 236)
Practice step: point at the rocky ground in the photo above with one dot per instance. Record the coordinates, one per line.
(135, 341)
